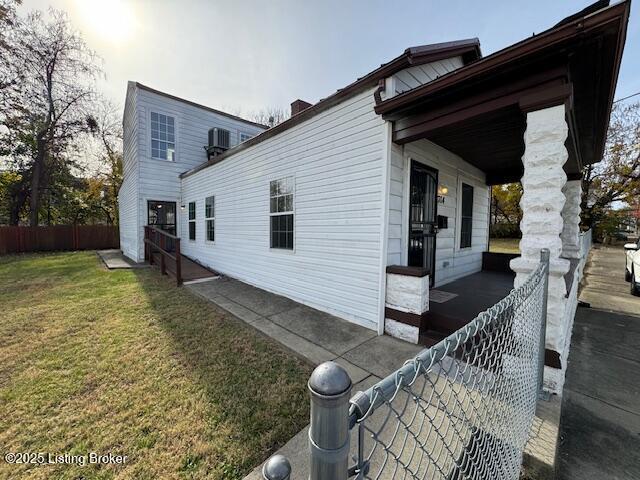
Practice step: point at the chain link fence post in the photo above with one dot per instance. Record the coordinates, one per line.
(330, 389)
(277, 468)
(544, 258)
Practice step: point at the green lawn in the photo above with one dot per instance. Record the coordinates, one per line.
(122, 361)
(504, 245)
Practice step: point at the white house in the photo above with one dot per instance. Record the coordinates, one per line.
(163, 137)
(361, 203)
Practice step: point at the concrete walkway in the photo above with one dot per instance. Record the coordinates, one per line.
(114, 260)
(315, 336)
(600, 423)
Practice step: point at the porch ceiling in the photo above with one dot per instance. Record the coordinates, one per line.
(479, 111)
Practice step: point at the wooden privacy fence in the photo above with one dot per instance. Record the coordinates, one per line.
(58, 237)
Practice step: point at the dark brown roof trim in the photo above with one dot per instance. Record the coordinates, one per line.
(408, 271)
(197, 105)
(497, 60)
(469, 49)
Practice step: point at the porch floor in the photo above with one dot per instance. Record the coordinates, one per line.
(474, 294)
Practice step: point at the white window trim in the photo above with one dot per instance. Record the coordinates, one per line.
(282, 251)
(463, 179)
(206, 219)
(175, 134)
(195, 220)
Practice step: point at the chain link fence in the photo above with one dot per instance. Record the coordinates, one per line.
(461, 409)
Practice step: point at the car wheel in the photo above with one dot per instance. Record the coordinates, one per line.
(635, 288)
(627, 275)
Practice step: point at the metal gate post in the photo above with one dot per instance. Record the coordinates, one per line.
(544, 258)
(330, 389)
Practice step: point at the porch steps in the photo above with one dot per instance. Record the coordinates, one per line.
(437, 326)
(443, 323)
(430, 338)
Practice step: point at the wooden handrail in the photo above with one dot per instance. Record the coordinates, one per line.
(160, 249)
(162, 232)
(150, 245)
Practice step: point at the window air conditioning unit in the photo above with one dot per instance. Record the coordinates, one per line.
(219, 139)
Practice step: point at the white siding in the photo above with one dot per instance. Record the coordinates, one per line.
(336, 158)
(417, 75)
(128, 194)
(159, 179)
(451, 261)
(394, 245)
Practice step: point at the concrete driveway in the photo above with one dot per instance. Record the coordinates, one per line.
(600, 422)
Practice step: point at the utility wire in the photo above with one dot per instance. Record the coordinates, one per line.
(624, 98)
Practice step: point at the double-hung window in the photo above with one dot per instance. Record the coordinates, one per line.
(192, 220)
(281, 213)
(163, 136)
(466, 216)
(210, 219)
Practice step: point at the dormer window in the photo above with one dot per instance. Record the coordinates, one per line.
(163, 139)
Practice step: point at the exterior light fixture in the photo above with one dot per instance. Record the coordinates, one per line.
(442, 192)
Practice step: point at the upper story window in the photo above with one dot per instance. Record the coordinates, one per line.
(244, 136)
(281, 212)
(466, 215)
(210, 218)
(163, 136)
(192, 220)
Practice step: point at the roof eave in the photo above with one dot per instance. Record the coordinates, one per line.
(486, 65)
(198, 105)
(369, 80)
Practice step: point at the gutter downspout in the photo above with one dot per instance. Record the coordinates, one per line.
(384, 227)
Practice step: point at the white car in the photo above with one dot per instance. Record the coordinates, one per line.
(632, 270)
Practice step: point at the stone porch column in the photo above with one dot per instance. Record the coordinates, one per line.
(571, 215)
(542, 223)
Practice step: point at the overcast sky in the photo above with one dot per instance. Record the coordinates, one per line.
(243, 55)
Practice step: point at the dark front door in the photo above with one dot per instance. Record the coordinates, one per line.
(422, 218)
(162, 215)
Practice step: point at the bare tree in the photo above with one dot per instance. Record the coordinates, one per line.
(57, 91)
(10, 72)
(109, 133)
(270, 116)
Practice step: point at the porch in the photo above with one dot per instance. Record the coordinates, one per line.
(161, 248)
(535, 112)
(455, 304)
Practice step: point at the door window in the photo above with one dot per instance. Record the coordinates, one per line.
(162, 215)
